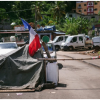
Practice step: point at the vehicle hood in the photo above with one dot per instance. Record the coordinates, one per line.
(51, 41)
(5, 51)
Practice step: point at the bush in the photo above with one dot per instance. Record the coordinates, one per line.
(93, 33)
(42, 23)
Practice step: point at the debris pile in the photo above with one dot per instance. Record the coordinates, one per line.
(91, 53)
(96, 48)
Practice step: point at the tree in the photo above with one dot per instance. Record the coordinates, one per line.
(58, 10)
(7, 5)
(75, 26)
(3, 14)
(22, 9)
(93, 33)
(26, 10)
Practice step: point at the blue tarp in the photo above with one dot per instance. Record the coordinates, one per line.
(49, 28)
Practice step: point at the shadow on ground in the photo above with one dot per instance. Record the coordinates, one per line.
(76, 50)
(61, 85)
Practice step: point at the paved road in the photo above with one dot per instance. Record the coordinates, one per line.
(77, 80)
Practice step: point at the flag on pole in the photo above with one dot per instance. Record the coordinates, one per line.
(34, 43)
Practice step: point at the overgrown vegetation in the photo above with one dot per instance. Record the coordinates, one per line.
(48, 13)
(76, 26)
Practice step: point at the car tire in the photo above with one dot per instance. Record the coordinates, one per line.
(70, 48)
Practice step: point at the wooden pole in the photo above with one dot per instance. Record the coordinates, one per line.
(35, 18)
(53, 59)
(48, 55)
(20, 90)
(46, 49)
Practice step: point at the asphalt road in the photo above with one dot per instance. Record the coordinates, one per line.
(77, 80)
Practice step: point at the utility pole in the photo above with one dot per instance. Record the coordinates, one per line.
(81, 20)
(35, 18)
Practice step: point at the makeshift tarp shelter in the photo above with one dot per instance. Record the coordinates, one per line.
(18, 70)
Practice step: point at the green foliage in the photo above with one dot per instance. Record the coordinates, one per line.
(99, 21)
(99, 12)
(48, 13)
(93, 33)
(42, 23)
(21, 6)
(98, 53)
(3, 14)
(75, 26)
(26, 9)
(46, 19)
(58, 10)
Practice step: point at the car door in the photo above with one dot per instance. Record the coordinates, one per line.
(80, 41)
(59, 41)
(74, 42)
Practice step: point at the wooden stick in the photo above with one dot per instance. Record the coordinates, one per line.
(52, 59)
(46, 50)
(22, 90)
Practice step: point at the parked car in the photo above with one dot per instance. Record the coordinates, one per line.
(76, 42)
(7, 47)
(96, 41)
(57, 41)
(51, 50)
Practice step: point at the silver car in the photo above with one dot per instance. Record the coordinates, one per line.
(7, 47)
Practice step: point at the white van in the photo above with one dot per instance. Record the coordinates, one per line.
(75, 42)
(96, 41)
(57, 41)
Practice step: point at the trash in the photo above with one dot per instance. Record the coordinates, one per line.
(19, 93)
(47, 85)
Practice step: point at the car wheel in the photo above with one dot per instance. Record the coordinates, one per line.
(57, 48)
(70, 48)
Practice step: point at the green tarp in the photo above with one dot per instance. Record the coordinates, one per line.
(18, 70)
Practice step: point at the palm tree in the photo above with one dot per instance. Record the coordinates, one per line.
(58, 10)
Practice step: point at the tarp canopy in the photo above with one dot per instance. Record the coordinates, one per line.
(18, 70)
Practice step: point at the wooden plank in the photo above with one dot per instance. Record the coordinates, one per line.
(52, 59)
(23, 90)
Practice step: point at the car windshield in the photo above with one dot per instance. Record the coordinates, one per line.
(68, 39)
(50, 47)
(55, 39)
(7, 45)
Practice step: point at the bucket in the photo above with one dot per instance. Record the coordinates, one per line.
(12, 39)
(52, 72)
